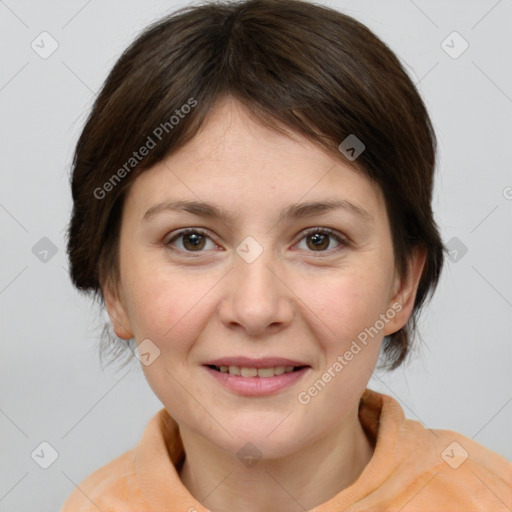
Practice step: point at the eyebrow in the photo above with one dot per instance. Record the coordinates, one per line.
(294, 211)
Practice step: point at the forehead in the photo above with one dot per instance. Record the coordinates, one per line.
(235, 161)
(232, 136)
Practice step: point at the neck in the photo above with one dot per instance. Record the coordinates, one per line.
(300, 481)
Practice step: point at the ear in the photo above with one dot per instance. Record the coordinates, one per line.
(402, 302)
(116, 309)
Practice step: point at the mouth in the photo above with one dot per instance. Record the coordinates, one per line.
(252, 371)
(256, 377)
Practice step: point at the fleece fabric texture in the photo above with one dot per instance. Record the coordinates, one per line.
(413, 469)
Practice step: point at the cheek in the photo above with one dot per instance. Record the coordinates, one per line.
(169, 307)
(171, 310)
(348, 308)
(345, 305)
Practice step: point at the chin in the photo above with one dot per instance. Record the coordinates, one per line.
(267, 435)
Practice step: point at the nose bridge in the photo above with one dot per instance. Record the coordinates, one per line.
(255, 279)
(257, 298)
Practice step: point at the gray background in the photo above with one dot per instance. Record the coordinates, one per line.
(51, 385)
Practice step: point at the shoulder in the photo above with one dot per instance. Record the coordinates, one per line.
(466, 474)
(449, 470)
(141, 479)
(416, 468)
(108, 488)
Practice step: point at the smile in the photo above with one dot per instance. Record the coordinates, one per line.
(247, 371)
(251, 378)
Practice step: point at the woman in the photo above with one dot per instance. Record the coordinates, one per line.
(252, 202)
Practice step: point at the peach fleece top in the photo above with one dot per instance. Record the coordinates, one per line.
(412, 469)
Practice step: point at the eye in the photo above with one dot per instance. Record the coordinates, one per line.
(191, 240)
(322, 239)
(316, 240)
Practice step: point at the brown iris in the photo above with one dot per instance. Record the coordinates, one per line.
(318, 240)
(194, 241)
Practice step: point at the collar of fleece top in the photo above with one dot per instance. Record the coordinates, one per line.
(413, 469)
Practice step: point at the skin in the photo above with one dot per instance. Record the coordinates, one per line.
(294, 301)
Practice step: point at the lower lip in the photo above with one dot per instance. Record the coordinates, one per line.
(257, 386)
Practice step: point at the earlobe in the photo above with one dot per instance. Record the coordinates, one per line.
(116, 311)
(402, 302)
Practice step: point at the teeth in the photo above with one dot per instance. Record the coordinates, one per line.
(265, 372)
(255, 372)
(234, 370)
(248, 372)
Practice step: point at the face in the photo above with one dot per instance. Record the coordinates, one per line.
(249, 252)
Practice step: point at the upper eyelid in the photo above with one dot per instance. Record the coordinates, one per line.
(328, 231)
(186, 231)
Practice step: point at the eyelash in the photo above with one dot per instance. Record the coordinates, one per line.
(342, 241)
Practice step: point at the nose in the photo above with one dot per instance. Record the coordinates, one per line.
(257, 299)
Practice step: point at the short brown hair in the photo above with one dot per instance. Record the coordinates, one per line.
(292, 63)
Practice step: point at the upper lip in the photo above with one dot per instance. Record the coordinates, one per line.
(248, 362)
